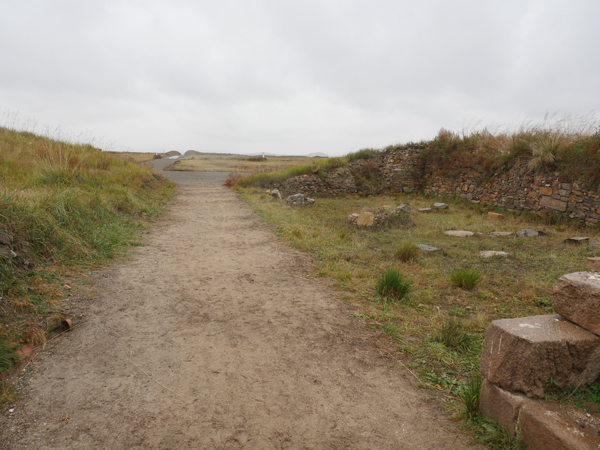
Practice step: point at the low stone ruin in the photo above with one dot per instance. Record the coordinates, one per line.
(299, 199)
(383, 216)
(524, 358)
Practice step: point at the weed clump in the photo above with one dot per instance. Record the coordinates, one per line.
(407, 252)
(469, 396)
(453, 336)
(466, 278)
(392, 284)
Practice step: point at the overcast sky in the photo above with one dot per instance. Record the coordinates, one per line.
(293, 77)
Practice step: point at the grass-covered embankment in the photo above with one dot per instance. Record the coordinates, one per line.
(63, 206)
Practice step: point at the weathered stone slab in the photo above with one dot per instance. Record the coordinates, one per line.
(525, 354)
(546, 190)
(577, 240)
(501, 233)
(365, 219)
(491, 253)
(501, 405)
(440, 206)
(527, 233)
(546, 426)
(576, 297)
(459, 233)
(427, 248)
(592, 264)
(425, 210)
(552, 203)
(495, 216)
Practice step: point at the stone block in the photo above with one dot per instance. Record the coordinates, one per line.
(593, 264)
(501, 405)
(365, 219)
(496, 216)
(552, 203)
(576, 297)
(525, 354)
(546, 190)
(547, 426)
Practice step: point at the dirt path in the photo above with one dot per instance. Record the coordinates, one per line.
(213, 337)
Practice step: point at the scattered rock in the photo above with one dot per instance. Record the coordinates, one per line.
(492, 253)
(427, 248)
(459, 233)
(576, 296)
(275, 194)
(527, 233)
(366, 209)
(577, 240)
(365, 219)
(352, 218)
(424, 210)
(440, 206)
(501, 233)
(403, 209)
(524, 354)
(383, 208)
(592, 264)
(495, 216)
(299, 199)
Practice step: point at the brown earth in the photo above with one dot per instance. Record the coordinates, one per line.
(215, 336)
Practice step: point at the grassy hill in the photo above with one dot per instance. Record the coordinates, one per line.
(63, 206)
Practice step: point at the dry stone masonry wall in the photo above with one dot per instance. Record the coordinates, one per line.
(403, 169)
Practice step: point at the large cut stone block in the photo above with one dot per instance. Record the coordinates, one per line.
(576, 297)
(500, 405)
(547, 426)
(542, 425)
(526, 354)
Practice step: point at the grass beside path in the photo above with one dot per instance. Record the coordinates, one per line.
(439, 326)
(64, 207)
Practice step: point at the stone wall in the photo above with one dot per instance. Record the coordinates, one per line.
(403, 169)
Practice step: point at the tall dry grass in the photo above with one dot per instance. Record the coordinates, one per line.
(62, 205)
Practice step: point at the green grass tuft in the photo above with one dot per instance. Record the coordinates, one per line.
(407, 252)
(392, 284)
(453, 336)
(8, 357)
(469, 396)
(466, 278)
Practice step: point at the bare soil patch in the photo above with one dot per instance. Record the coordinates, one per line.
(216, 336)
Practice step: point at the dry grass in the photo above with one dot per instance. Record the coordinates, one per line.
(63, 207)
(569, 144)
(238, 163)
(352, 259)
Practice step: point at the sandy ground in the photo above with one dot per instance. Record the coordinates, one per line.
(214, 336)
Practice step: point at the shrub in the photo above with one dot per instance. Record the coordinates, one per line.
(407, 252)
(466, 278)
(453, 336)
(392, 284)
